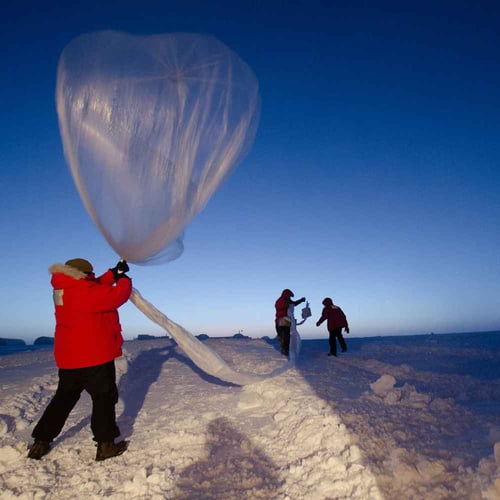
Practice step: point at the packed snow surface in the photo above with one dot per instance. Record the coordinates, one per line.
(394, 417)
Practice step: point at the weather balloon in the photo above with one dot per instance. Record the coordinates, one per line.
(151, 126)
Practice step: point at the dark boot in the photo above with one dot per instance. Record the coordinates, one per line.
(108, 449)
(38, 449)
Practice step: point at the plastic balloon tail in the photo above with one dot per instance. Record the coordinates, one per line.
(202, 356)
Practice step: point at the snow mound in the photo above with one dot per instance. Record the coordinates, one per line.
(383, 385)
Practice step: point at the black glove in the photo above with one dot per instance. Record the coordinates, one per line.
(120, 269)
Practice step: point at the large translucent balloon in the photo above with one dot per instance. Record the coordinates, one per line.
(151, 126)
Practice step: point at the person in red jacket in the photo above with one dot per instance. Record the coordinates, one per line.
(87, 340)
(282, 320)
(335, 321)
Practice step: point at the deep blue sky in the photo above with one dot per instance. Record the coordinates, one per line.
(374, 178)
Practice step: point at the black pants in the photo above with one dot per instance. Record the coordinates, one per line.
(335, 334)
(283, 338)
(100, 382)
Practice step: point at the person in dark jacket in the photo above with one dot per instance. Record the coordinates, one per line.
(335, 321)
(282, 320)
(87, 340)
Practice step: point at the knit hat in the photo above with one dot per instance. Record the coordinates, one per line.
(81, 264)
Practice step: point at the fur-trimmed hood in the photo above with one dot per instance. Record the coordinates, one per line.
(67, 270)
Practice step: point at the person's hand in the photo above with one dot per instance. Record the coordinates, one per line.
(347, 329)
(317, 323)
(120, 269)
(122, 266)
(303, 299)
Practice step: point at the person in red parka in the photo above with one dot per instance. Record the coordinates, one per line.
(335, 321)
(282, 321)
(87, 340)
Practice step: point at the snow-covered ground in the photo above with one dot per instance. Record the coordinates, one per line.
(394, 417)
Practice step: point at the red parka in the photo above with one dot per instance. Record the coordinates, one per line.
(88, 330)
(334, 315)
(283, 303)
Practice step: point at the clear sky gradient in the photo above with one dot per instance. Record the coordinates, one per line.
(374, 177)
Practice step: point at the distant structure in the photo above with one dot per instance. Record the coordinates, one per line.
(44, 341)
(240, 335)
(12, 342)
(143, 336)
